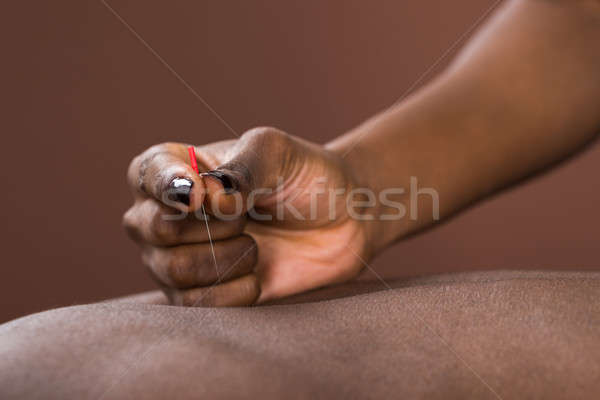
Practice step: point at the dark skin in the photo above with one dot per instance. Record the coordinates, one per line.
(523, 96)
(527, 335)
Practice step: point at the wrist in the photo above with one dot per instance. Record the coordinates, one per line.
(405, 161)
(382, 224)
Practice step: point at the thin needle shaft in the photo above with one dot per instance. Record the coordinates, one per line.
(194, 163)
(212, 248)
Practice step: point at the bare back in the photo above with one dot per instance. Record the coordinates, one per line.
(485, 335)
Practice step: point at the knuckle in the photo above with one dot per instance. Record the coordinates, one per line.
(139, 164)
(177, 269)
(251, 289)
(163, 231)
(133, 172)
(148, 261)
(164, 147)
(267, 136)
(161, 149)
(274, 142)
(130, 223)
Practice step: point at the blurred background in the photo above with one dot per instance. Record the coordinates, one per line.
(81, 96)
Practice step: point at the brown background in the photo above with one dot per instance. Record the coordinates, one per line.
(81, 96)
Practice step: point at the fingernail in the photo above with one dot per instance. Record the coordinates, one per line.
(179, 190)
(228, 183)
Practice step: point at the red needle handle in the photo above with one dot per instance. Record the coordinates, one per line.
(192, 152)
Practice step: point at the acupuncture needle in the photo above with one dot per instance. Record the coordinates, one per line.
(192, 153)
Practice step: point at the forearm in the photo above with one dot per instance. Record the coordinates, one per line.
(523, 95)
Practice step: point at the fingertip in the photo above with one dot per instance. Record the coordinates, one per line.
(243, 291)
(240, 292)
(179, 190)
(197, 194)
(226, 182)
(223, 199)
(255, 289)
(184, 190)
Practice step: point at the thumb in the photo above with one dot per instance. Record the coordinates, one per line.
(257, 163)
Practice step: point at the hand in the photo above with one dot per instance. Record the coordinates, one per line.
(277, 226)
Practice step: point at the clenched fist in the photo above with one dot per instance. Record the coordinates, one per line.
(277, 219)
